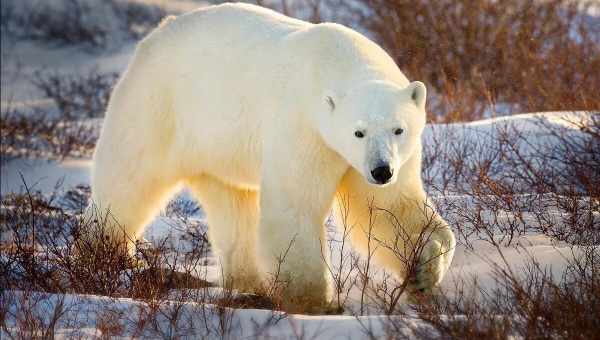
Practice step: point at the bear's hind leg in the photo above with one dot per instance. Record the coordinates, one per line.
(128, 204)
(232, 223)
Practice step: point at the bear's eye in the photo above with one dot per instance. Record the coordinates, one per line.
(359, 134)
(398, 131)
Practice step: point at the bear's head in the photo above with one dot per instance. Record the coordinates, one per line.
(376, 127)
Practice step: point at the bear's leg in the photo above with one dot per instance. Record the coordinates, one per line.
(292, 259)
(292, 238)
(128, 204)
(232, 218)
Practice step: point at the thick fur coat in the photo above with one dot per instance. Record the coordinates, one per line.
(266, 119)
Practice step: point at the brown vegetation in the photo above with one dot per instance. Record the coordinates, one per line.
(76, 97)
(40, 135)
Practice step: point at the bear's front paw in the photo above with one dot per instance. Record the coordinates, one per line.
(429, 270)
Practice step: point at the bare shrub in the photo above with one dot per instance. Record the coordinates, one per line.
(35, 315)
(38, 135)
(87, 22)
(109, 324)
(51, 249)
(531, 304)
(502, 183)
(68, 21)
(77, 96)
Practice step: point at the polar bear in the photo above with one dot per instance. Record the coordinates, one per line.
(266, 119)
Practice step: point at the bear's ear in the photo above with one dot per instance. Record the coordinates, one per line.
(418, 93)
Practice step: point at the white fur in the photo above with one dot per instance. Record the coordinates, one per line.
(251, 109)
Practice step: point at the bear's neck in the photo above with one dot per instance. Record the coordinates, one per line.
(408, 186)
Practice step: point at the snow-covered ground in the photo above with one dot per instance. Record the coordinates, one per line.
(468, 263)
(25, 57)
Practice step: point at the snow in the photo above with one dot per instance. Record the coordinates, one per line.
(24, 57)
(42, 175)
(198, 320)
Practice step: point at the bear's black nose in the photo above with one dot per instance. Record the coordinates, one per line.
(382, 174)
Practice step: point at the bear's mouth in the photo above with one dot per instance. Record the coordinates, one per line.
(378, 184)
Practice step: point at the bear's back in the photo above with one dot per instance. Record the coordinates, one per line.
(222, 25)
